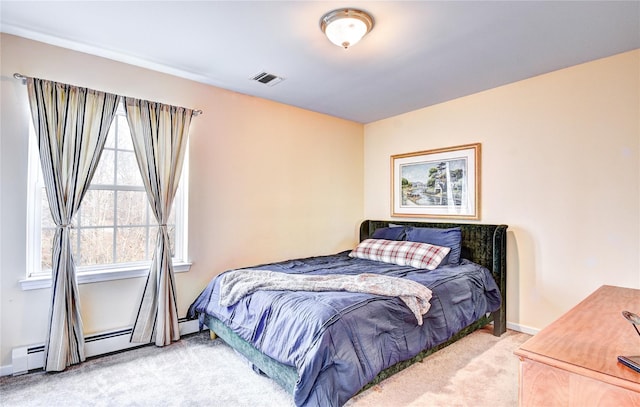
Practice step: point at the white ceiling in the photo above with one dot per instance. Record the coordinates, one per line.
(419, 53)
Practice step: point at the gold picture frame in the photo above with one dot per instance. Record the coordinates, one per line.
(440, 183)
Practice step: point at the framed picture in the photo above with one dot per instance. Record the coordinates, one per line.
(442, 183)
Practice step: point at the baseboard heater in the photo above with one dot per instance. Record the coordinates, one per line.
(28, 358)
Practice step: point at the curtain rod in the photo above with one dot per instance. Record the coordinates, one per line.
(24, 81)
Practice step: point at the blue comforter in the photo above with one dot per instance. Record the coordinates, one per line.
(339, 341)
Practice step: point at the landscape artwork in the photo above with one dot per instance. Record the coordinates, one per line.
(437, 183)
(434, 183)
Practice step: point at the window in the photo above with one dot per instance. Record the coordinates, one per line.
(114, 231)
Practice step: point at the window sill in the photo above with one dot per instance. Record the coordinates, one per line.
(95, 276)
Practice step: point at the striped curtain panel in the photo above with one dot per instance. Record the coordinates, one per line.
(71, 125)
(159, 134)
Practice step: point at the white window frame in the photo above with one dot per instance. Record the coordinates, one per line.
(39, 279)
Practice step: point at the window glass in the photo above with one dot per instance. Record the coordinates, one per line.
(105, 170)
(128, 172)
(97, 208)
(46, 220)
(95, 246)
(124, 135)
(114, 224)
(133, 208)
(131, 245)
(47, 242)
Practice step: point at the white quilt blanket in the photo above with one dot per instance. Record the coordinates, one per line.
(239, 283)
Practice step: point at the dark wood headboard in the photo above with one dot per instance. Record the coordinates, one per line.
(482, 244)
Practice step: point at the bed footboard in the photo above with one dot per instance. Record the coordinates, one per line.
(286, 376)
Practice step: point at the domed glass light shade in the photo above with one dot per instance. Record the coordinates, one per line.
(345, 27)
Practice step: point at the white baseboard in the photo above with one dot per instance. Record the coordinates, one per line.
(28, 358)
(522, 328)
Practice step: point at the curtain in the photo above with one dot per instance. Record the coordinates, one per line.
(71, 125)
(159, 134)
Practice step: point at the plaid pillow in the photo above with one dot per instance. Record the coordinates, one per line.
(400, 252)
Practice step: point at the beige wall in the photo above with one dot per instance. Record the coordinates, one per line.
(267, 182)
(559, 165)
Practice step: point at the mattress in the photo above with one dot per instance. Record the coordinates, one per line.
(339, 341)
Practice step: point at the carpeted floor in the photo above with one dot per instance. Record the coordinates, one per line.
(479, 370)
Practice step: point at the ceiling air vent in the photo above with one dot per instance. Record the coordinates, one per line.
(268, 79)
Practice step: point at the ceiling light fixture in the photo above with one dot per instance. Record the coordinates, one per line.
(345, 27)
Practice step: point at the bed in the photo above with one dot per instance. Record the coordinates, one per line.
(326, 346)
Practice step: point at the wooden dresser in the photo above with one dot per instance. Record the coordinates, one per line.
(573, 361)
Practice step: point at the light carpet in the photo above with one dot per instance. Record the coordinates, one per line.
(479, 370)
